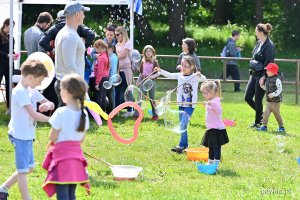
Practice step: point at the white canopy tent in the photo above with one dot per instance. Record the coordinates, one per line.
(13, 9)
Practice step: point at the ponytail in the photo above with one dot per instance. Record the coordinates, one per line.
(218, 89)
(81, 127)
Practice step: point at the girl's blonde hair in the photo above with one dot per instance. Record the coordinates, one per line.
(212, 86)
(77, 88)
(123, 31)
(153, 57)
(190, 60)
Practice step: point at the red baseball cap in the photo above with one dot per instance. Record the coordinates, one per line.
(272, 67)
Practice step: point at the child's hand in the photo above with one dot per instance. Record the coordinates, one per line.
(270, 95)
(198, 73)
(97, 55)
(44, 107)
(50, 144)
(178, 68)
(156, 69)
(206, 103)
(96, 87)
(262, 81)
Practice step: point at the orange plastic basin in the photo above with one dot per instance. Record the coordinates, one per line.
(197, 154)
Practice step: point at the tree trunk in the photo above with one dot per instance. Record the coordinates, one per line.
(259, 11)
(223, 12)
(143, 28)
(177, 21)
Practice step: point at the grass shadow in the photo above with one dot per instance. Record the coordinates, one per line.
(228, 173)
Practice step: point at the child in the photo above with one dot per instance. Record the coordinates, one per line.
(215, 135)
(188, 49)
(147, 66)
(273, 87)
(22, 123)
(186, 94)
(113, 60)
(64, 160)
(101, 70)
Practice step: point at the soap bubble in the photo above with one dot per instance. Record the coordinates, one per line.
(176, 120)
(115, 80)
(135, 55)
(133, 93)
(107, 85)
(147, 85)
(279, 141)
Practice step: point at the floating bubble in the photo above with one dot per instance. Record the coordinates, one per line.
(279, 140)
(195, 4)
(133, 93)
(147, 85)
(135, 55)
(115, 80)
(107, 85)
(173, 44)
(176, 120)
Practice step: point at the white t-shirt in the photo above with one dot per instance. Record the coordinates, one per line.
(188, 91)
(21, 125)
(66, 120)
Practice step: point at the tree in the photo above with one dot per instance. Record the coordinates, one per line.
(177, 20)
(223, 11)
(259, 11)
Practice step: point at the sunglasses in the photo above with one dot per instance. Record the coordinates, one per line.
(118, 34)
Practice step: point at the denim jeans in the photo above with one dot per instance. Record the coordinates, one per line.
(184, 120)
(214, 153)
(65, 191)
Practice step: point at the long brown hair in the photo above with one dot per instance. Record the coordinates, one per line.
(101, 43)
(3, 34)
(77, 88)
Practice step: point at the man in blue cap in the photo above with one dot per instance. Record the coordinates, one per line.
(69, 47)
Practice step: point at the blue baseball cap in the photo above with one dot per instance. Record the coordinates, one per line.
(74, 7)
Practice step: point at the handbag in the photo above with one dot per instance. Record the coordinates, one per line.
(256, 65)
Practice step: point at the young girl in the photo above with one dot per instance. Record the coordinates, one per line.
(186, 94)
(64, 160)
(147, 66)
(188, 48)
(216, 134)
(101, 71)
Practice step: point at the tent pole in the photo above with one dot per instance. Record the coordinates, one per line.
(11, 26)
(18, 48)
(132, 22)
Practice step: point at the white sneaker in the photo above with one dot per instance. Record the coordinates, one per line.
(128, 114)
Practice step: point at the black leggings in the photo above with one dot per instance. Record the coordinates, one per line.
(214, 153)
(65, 191)
(5, 72)
(100, 95)
(254, 89)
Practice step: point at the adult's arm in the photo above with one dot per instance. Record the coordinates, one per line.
(86, 33)
(69, 48)
(270, 53)
(45, 40)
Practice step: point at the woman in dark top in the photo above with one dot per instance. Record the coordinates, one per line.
(4, 56)
(263, 53)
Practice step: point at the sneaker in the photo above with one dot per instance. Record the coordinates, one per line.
(178, 149)
(255, 125)
(262, 128)
(154, 118)
(3, 195)
(128, 114)
(237, 90)
(281, 129)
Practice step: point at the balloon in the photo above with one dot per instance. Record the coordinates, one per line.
(133, 93)
(136, 125)
(115, 80)
(176, 120)
(96, 117)
(147, 85)
(96, 108)
(107, 85)
(135, 55)
(47, 61)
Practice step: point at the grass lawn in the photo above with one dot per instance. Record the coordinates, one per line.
(251, 164)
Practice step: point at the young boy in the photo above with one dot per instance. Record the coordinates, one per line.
(273, 87)
(22, 124)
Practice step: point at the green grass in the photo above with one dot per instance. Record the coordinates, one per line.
(250, 161)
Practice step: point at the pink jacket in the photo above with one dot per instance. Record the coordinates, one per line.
(214, 114)
(101, 68)
(65, 163)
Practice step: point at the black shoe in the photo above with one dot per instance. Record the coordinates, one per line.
(178, 149)
(237, 90)
(3, 195)
(255, 125)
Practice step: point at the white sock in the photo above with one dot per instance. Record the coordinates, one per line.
(216, 161)
(210, 162)
(3, 188)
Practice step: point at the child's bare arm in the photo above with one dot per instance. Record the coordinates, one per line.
(46, 105)
(35, 115)
(53, 134)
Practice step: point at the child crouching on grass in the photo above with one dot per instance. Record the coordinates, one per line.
(186, 95)
(215, 135)
(21, 128)
(64, 160)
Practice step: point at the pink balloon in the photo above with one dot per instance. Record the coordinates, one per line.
(96, 117)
